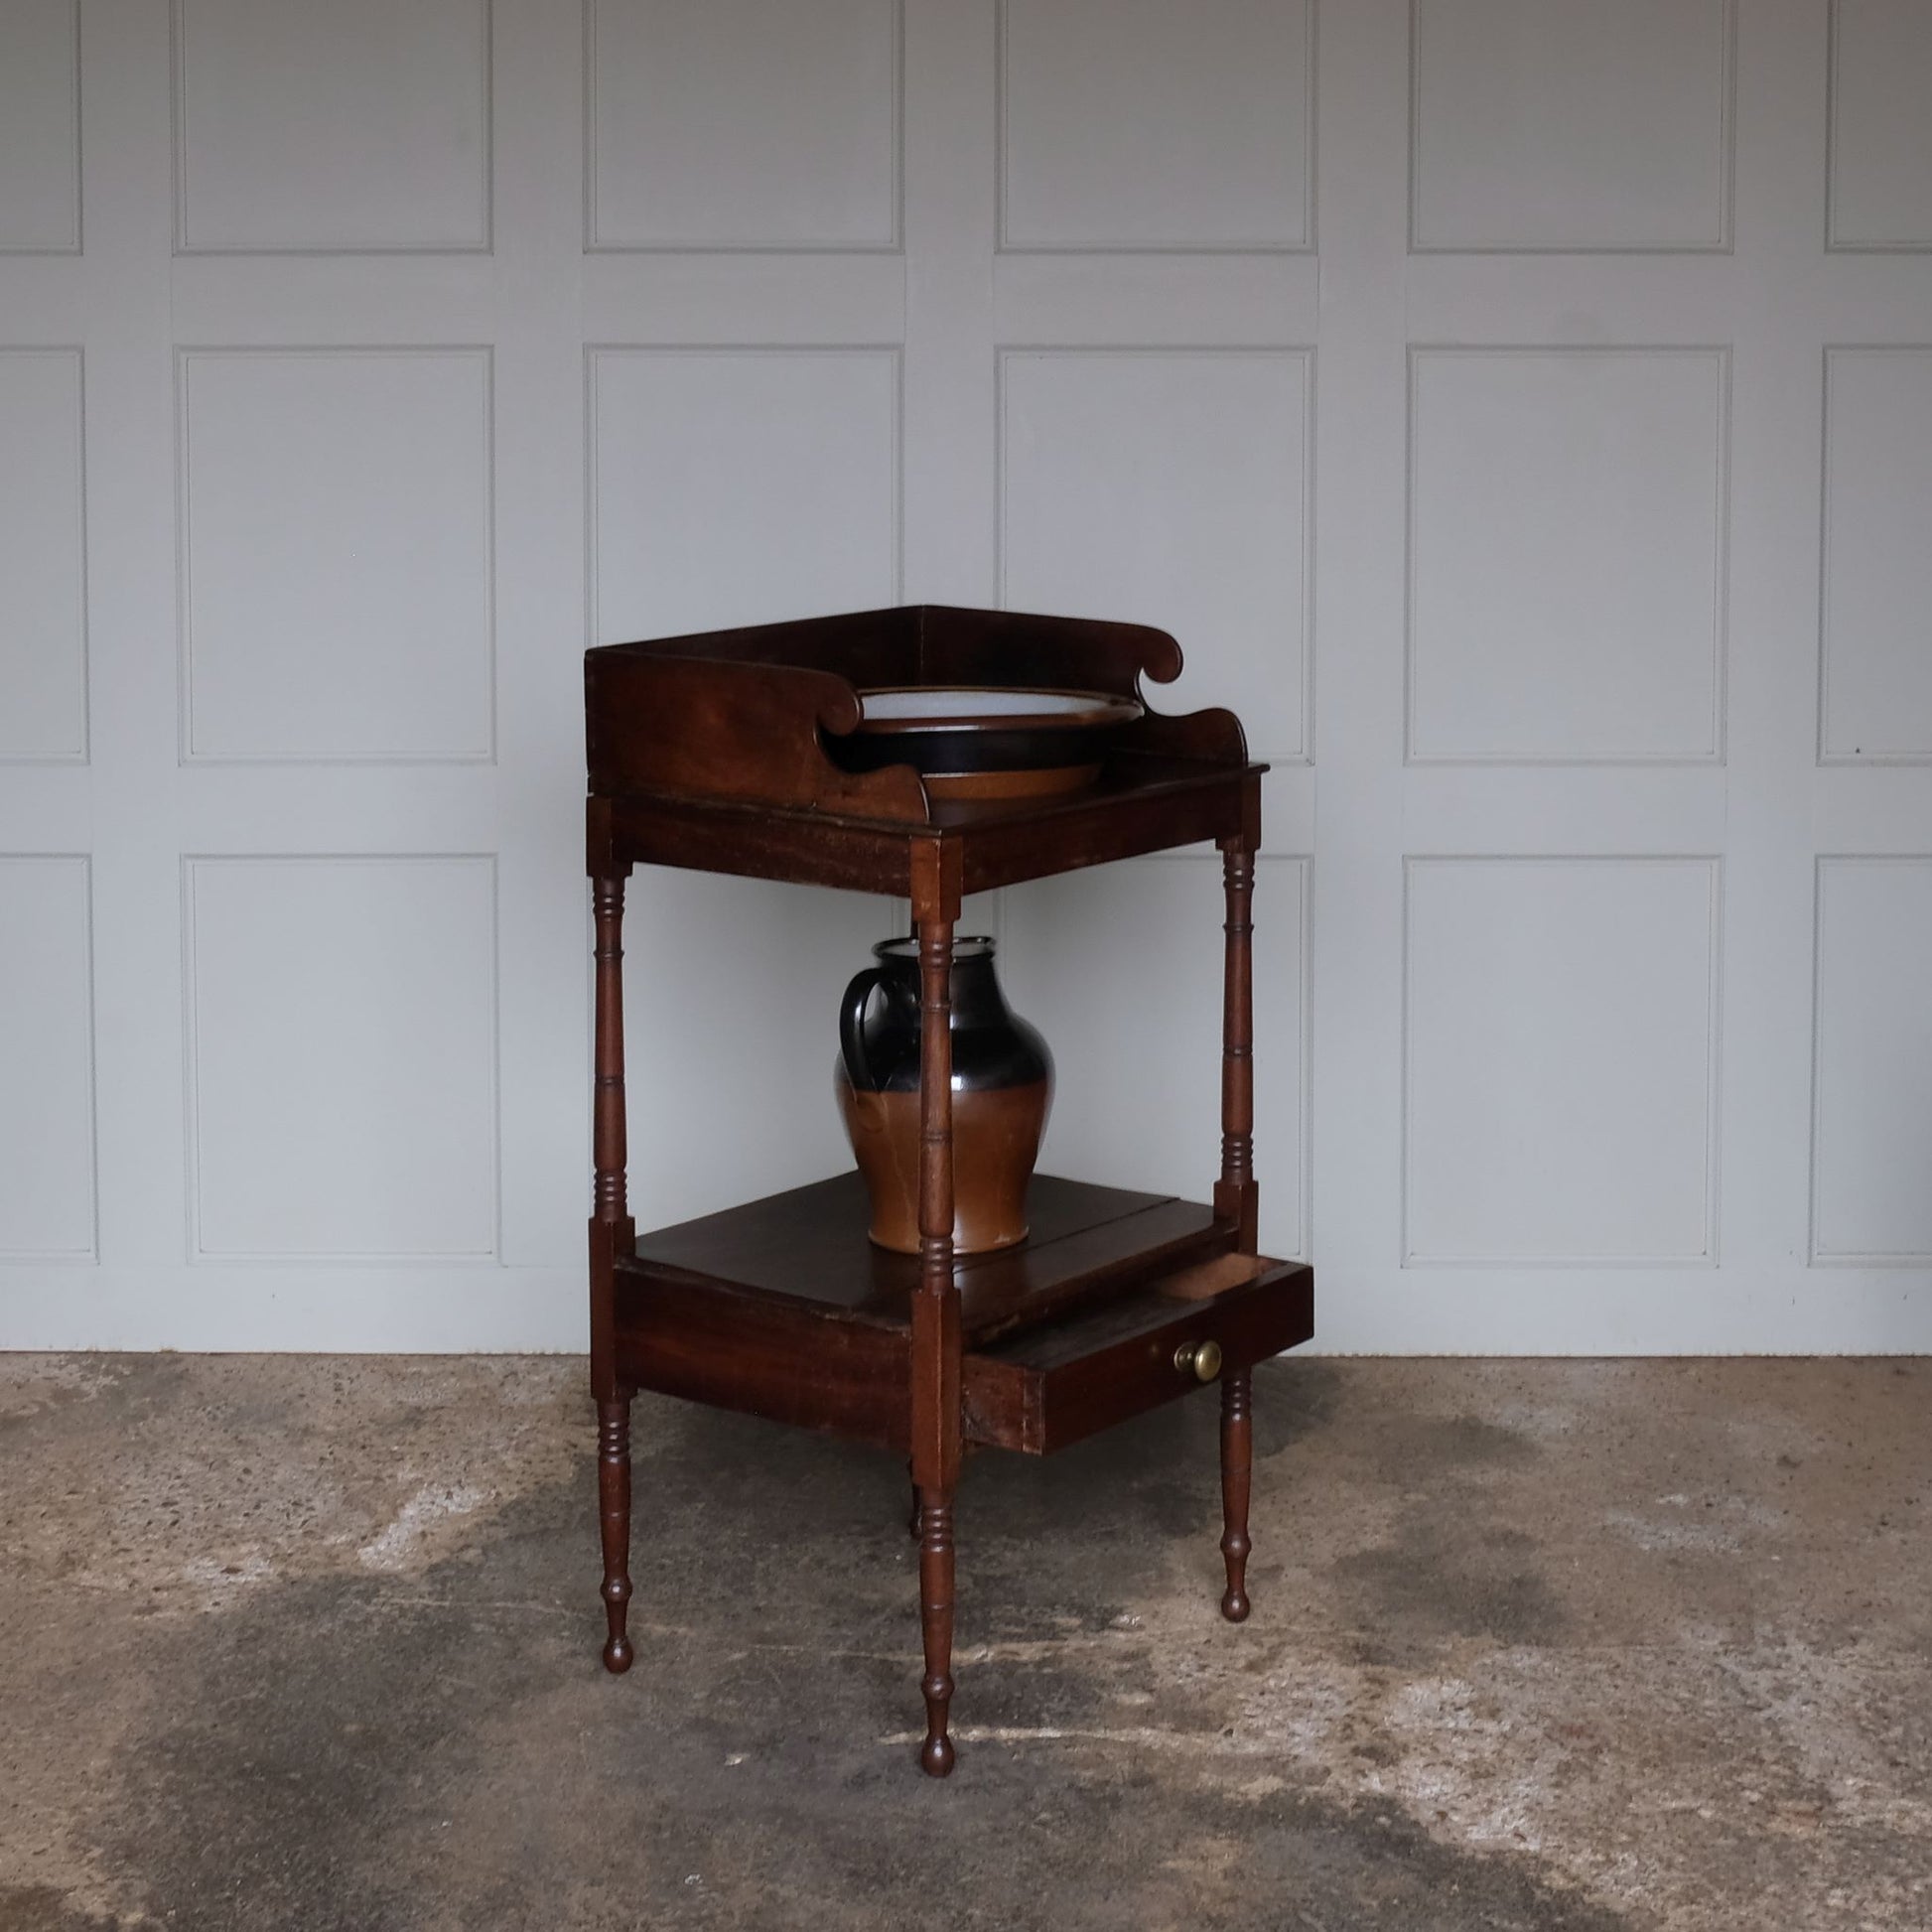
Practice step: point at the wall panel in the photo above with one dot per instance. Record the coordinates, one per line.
(1571, 125)
(1567, 554)
(1872, 1145)
(43, 557)
(336, 583)
(743, 124)
(1560, 1066)
(353, 126)
(47, 1060)
(342, 1048)
(1126, 124)
(1876, 688)
(39, 127)
(1881, 134)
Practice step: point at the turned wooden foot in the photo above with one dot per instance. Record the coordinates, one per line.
(1237, 1460)
(935, 1622)
(613, 1512)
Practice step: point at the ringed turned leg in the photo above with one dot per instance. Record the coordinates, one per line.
(611, 1234)
(613, 1512)
(935, 1342)
(1235, 1196)
(1237, 1461)
(936, 1628)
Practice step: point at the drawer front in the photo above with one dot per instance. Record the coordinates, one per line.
(1053, 1386)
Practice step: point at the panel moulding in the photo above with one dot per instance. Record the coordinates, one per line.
(1826, 755)
(185, 355)
(197, 1255)
(80, 752)
(1819, 1256)
(1836, 242)
(89, 1254)
(1715, 754)
(891, 242)
(1721, 241)
(480, 242)
(75, 244)
(1708, 1256)
(1302, 244)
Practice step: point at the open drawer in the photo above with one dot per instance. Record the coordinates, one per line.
(1048, 1386)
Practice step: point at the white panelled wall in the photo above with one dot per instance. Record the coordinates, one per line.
(1521, 410)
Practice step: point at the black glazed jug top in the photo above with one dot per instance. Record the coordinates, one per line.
(978, 946)
(879, 1040)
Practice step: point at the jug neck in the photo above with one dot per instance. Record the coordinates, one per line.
(974, 991)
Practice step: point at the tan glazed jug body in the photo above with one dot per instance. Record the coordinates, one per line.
(1002, 1087)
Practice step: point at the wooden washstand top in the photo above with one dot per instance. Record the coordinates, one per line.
(720, 750)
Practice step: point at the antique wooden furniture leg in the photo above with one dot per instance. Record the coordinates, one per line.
(1237, 1199)
(1237, 1459)
(611, 1231)
(935, 1331)
(614, 1517)
(1235, 1196)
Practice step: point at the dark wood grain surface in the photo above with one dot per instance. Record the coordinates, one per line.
(809, 1244)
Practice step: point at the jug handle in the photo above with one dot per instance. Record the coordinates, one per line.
(852, 1022)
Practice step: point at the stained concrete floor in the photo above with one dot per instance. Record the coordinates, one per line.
(312, 1643)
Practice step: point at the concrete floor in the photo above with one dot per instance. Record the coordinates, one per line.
(312, 1643)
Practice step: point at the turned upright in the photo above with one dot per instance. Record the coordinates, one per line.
(721, 752)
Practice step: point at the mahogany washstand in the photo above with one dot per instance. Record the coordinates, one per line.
(719, 751)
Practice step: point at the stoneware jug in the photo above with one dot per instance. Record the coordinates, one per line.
(1002, 1087)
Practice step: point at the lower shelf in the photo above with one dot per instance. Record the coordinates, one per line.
(783, 1309)
(809, 1245)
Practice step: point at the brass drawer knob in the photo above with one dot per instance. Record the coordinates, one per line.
(1200, 1359)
